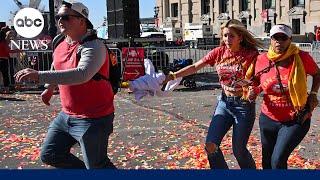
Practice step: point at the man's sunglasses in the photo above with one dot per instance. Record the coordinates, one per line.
(280, 37)
(65, 17)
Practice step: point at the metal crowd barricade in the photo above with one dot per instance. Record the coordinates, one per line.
(38, 60)
(316, 45)
(163, 57)
(304, 46)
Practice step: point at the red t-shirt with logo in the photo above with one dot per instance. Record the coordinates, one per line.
(4, 50)
(91, 99)
(230, 66)
(275, 103)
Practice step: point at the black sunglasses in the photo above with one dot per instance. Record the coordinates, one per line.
(65, 17)
(280, 37)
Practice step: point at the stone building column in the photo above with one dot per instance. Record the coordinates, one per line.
(284, 8)
(211, 12)
(162, 10)
(231, 13)
(216, 9)
(257, 26)
(199, 11)
(179, 13)
(216, 12)
(161, 15)
(236, 9)
(185, 12)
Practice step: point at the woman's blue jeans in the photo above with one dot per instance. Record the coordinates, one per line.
(92, 135)
(279, 140)
(232, 111)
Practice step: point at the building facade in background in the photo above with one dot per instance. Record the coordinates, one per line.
(258, 15)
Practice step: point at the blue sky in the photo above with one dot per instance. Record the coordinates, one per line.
(96, 6)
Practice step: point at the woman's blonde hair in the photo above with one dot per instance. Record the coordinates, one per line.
(248, 40)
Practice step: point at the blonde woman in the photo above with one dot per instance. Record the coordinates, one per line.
(237, 51)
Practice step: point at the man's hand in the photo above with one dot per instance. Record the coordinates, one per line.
(46, 96)
(27, 74)
(166, 80)
(312, 101)
(305, 117)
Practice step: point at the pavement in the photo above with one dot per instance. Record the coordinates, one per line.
(155, 133)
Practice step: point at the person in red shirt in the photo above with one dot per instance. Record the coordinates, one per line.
(237, 51)
(4, 60)
(87, 104)
(317, 43)
(286, 107)
(14, 55)
(179, 41)
(318, 34)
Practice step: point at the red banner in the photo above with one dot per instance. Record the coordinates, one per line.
(134, 68)
(264, 15)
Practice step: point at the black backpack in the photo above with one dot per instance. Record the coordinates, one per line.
(114, 69)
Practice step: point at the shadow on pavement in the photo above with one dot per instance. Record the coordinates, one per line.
(10, 99)
(204, 81)
(198, 88)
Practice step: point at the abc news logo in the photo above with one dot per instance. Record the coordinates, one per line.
(29, 23)
(26, 22)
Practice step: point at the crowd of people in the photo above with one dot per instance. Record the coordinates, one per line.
(243, 74)
(7, 57)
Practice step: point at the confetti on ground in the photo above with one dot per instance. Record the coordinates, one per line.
(143, 138)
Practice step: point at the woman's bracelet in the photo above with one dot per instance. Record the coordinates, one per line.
(172, 76)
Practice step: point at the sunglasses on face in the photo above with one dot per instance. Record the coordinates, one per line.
(280, 37)
(65, 17)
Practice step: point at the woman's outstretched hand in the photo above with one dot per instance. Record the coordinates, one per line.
(253, 92)
(166, 80)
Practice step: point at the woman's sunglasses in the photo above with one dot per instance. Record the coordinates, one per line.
(65, 17)
(280, 37)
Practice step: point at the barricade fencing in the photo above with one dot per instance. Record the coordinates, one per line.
(162, 58)
(305, 46)
(38, 60)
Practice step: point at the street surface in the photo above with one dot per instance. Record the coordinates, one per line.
(155, 133)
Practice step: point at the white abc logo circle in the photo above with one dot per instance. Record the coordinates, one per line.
(28, 22)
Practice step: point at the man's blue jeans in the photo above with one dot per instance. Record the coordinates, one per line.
(92, 135)
(279, 140)
(232, 111)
